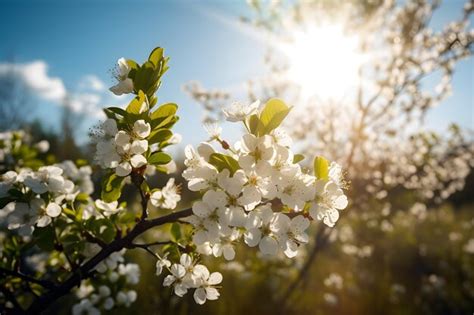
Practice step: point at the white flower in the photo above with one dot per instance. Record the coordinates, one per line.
(110, 127)
(281, 137)
(123, 169)
(139, 146)
(257, 153)
(257, 188)
(294, 191)
(207, 291)
(162, 262)
(125, 84)
(108, 209)
(122, 139)
(291, 233)
(166, 198)
(47, 178)
(141, 128)
(85, 306)
(7, 181)
(22, 216)
(126, 298)
(214, 130)
(45, 214)
(469, 247)
(111, 262)
(329, 200)
(138, 160)
(106, 153)
(179, 278)
(239, 112)
(42, 146)
(131, 272)
(259, 230)
(225, 247)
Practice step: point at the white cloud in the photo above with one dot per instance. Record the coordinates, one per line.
(92, 82)
(88, 104)
(35, 75)
(88, 100)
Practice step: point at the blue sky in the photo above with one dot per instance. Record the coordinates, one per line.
(80, 38)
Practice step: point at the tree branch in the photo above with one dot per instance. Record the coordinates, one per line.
(44, 283)
(83, 272)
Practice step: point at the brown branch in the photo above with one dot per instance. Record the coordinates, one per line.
(83, 272)
(44, 283)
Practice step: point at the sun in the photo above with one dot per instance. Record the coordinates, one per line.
(324, 61)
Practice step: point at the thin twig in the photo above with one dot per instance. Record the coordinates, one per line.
(43, 283)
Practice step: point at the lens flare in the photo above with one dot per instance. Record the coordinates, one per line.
(324, 61)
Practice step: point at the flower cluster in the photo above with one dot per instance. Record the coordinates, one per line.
(35, 198)
(258, 191)
(110, 288)
(188, 274)
(166, 197)
(123, 150)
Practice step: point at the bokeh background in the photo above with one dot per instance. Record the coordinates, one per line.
(385, 88)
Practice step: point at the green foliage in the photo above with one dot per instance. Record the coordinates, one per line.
(112, 187)
(159, 158)
(147, 77)
(272, 115)
(222, 161)
(175, 232)
(321, 168)
(137, 104)
(45, 238)
(270, 118)
(298, 158)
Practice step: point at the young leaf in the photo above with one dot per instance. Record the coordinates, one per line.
(159, 135)
(112, 187)
(272, 115)
(321, 168)
(298, 158)
(138, 104)
(175, 232)
(117, 110)
(159, 158)
(254, 124)
(222, 161)
(156, 56)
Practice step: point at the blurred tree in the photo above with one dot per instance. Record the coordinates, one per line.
(15, 98)
(372, 126)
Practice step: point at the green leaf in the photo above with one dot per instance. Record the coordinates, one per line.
(159, 158)
(222, 161)
(272, 115)
(82, 197)
(136, 105)
(112, 187)
(254, 124)
(321, 168)
(156, 56)
(298, 158)
(159, 135)
(175, 232)
(165, 110)
(117, 110)
(164, 116)
(145, 77)
(44, 238)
